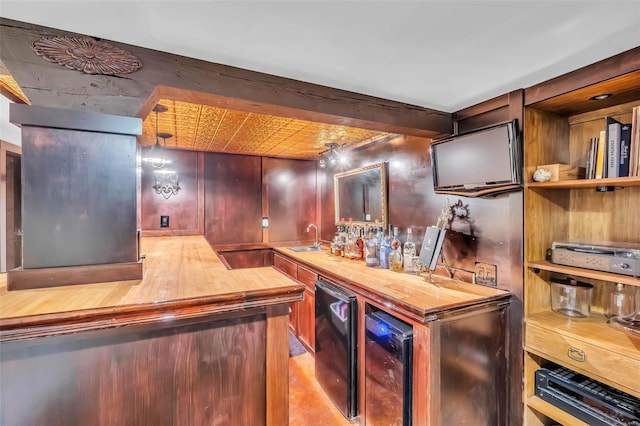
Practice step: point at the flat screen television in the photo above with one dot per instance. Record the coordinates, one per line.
(479, 163)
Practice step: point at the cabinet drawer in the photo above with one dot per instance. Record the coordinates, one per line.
(601, 364)
(285, 265)
(307, 277)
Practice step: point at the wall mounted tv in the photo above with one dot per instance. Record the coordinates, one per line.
(484, 162)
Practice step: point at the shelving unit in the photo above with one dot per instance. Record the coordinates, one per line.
(557, 130)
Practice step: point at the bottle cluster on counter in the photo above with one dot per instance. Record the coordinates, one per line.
(375, 246)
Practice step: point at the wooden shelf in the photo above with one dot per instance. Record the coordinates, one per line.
(545, 265)
(553, 412)
(620, 182)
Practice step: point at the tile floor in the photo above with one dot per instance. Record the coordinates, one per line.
(308, 404)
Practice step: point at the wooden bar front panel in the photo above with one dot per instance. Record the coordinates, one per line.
(170, 373)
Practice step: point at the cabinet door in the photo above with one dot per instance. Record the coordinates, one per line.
(293, 317)
(307, 319)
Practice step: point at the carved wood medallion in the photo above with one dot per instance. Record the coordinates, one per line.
(87, 55)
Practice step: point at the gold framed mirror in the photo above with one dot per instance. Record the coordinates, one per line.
(361, 195)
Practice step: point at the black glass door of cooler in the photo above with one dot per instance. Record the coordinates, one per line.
(335, 357)
(388, 370)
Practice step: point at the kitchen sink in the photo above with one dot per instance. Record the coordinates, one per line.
(305, 248)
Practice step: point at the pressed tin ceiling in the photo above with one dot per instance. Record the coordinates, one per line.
(206, 128)
(9, 86)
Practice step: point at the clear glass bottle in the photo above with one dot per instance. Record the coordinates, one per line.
(371, 249)
(395, 257)
(385, 249)
(350, 249)
(409, 253)
(620, 301)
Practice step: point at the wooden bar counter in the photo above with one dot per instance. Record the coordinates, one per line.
(461, 343)
(192, 343)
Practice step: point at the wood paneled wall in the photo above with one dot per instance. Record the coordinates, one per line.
(492, 235)
(185, 208)
(235, 192)
(290, 193)
(232, 198)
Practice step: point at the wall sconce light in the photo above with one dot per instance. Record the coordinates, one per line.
(167, 183)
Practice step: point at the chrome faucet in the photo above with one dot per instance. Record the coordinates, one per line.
(316, 243)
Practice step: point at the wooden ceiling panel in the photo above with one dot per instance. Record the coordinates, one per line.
(206, 128)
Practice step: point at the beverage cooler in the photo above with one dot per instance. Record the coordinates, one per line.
(335, 358)
(388, 369)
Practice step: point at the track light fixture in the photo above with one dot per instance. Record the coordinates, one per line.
(334, 155)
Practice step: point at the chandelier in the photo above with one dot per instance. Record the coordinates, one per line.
(166, 182)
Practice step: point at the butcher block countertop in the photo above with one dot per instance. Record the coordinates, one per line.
(410, 295)
(184, 275)
(181, 274)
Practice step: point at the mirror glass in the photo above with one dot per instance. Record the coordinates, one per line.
(361, 195)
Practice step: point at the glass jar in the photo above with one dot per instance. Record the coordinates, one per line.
(620, 301)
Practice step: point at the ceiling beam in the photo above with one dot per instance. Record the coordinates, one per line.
(175, 77)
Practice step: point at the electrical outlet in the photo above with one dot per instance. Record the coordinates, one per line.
(164, 221)
(486, 274)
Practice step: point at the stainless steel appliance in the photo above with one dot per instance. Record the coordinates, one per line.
(388, 369)
(335, 358)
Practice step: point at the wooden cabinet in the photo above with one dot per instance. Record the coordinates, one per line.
(302, 314)
(306, 309)
(557, 129)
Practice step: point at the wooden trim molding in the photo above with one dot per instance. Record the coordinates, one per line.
(277, 365)
(21, 279)
(29, 327)
(614, 66)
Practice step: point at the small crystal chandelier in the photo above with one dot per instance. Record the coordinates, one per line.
(157, 155)
(166, 182)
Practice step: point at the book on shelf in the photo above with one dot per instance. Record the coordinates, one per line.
(625, 145)
(600, 163)
(591, 159)
(634, 150)
(612, 148)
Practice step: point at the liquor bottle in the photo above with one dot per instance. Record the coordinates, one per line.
(409, 253)
(360, 244)
(385, 249)
(371, 249)
(395, 257)
(620, 301)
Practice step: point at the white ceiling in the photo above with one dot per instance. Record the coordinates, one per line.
(445, 55)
